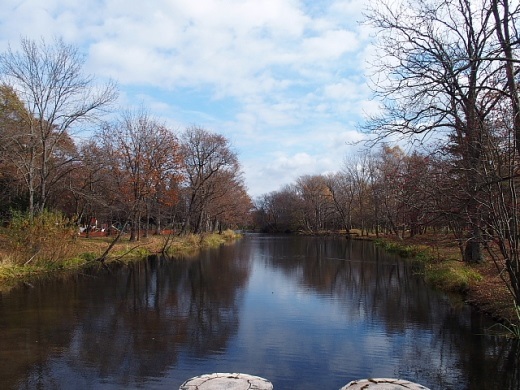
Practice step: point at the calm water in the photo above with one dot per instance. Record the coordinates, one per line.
(305, 313)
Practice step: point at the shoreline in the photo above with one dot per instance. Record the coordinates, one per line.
(86, 251)
(477, 285)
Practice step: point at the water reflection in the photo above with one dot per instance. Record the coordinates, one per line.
(121, 329)
(303, 312)
(433, 343)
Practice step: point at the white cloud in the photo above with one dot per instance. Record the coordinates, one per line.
(329, 45)
(343, 90)
(281, 78)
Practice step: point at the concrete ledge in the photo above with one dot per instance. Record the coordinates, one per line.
(382, 384)
(226, 381)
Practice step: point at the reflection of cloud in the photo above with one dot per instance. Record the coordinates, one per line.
(288, 309)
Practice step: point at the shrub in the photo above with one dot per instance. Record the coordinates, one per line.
(44, 238)
(229, 235)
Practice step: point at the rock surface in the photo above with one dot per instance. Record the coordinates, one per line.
(226, 381)
(382, 384)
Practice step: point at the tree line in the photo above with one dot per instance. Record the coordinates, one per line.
(133, 171)
(379, 192)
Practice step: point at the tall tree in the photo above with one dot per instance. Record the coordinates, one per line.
(361, 173)
(57, 96)
(317, 201)
(144, 160)
(281, 211)
(13, 153)
(417, 193)
(206, 155)
(90, 187)
(434, 57)
(390, 187)
(229, 205)
(341, 189)
(501, 203)
(506, 16)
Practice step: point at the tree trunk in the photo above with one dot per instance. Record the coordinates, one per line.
(473, 247)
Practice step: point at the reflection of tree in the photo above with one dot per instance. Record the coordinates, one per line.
(26, 335)
(372, 285)
(213, 311)
(127, 327)
(508, 360)
(358, 272)
(138, 322)
(487, 362)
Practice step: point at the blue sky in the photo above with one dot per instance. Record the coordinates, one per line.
(283, 80)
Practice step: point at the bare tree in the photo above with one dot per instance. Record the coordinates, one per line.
(506, 19)
(501, 205)
(57, 96)
(341, 190)
(12, 151)
(281, 211)
(360, 172)
(317, 201)
(206, 155)
(144, 160)
(229, 205)
(438, 77)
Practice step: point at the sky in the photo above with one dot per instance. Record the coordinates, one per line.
(283, 80)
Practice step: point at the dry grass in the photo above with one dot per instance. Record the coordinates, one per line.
(81, 251)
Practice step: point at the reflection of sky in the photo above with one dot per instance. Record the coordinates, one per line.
(294, 326)
(281, 322)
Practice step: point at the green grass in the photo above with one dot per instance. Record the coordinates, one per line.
(80, 260)
(418, 252)
(447, 274)
(130, 252)
(191, 243)
(185, 245)
(451, 275)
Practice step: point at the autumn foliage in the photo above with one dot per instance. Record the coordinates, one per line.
(132, 174)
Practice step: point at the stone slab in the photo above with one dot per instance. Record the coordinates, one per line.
(382, 384)
(228, 381)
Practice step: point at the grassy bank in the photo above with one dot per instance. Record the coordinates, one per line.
(441, 266)
(478, 284)
(72, 254)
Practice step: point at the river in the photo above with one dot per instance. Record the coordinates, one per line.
(303, 312)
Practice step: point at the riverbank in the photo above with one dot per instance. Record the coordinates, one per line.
(83, 252)
(479, 285)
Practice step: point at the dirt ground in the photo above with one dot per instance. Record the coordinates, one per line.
(490, 295)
